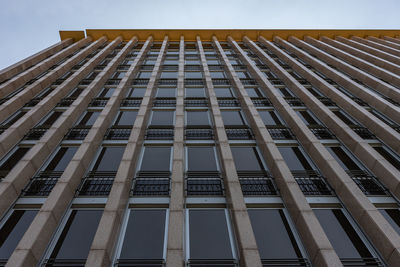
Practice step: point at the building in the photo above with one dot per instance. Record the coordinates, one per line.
(203, 148)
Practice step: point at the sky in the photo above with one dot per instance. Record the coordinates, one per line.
(28, 26)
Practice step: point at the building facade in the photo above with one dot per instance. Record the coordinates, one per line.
(203, 148)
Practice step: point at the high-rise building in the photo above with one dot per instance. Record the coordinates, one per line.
(203, 148)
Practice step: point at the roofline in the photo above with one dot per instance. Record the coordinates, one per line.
(222, 34)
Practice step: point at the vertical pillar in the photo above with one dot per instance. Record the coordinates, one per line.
(391, 39)
(373, 44)
(102, 248)
(384, 42)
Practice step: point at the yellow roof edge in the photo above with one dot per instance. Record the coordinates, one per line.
(75, 35)
(221, 34)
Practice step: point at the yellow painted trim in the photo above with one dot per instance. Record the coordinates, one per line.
(75, 35)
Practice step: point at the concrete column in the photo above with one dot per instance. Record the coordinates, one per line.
(373, 44)
(19, 176)
(379, 231)
(247, 246)
(22, 65)
(371, 50)
(391, 39)
(16, 131)
(390, 136)
(374, 59)
(358, 90)
(314, 239)
(335, 48)
(33, 244)
(102, 249)
(19, 80)
(175, 245)
(384, 42)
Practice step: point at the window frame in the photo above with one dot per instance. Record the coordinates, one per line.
(216, 155)
(141, 156)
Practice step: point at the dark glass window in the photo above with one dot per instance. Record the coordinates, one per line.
(208, 235)
(254, 92)
(388, 156)
(109, 158)
(195, 92)
(75, 93)
(344, 117)
(61, 159)
(192, 62)
(246, 159)
(49, 120)
(89, 118)
(217, 75)
(144, 75)
(197, 118)
(201, 159)
(156, 159)
(7, 164)
(162, 118)
(136, 92)
(144, 236)
(13, 118)
(285, 92)
(343, 158)
(232, 118)
(270, 117)
(393, 217)
(169, 75)
(344, 239)
(166, 92)
(223, 92)
(193, 75)
(295, 159)
(243, 75)
(13, 230)
(106, 92)
(307, 118)
(77, 236)
(125, 118)
(274, 237)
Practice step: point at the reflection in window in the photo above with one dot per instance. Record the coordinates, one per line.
(193, 75)
(201, 158)
(270, 118)
(393, 217)
(254, 92)
(232, 118)
(162, 118)
(106, 92)
(209, 235)
(61, 159)
(246, 159)
(307, 117)
(144, 236)
(166, 92)
(125, 118)
(197, 118)
(136, 92)
(109, 158)
(217, 75)
(223, 92)
(344, 239)
(13, 230)
(274, 237)
(295, 159)
(169, 75)
(88, 119)
(156, 159)
(195, 92)
(77, 236)
(344, 117)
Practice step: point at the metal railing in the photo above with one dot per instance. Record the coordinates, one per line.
(239, 134)
(248, 81)
(212, 263)
(228, 102)
(257, 186)
(66, 102)
(140, 263)
(196, 102)
(194, 82)
(204, 184)
(36, 133)
(42, 184)
(77, 133)
(131, 102)
(363, 132)
(261, 102)
(368, 183)
(321, 132)
(311, 182)
(172, 82)
(140, 81)
(327, 101)
(199, 134)
(99, 102)
(146, 186)
(118, 133)
(285, 262)
(159, 134)
(294, 101)
(164, 102)
(96, 183)
(221, 82)
(280, 132)
(64, 263)
(361, 262)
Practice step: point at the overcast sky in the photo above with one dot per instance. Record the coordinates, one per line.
(28, 26)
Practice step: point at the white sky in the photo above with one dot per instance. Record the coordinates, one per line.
(28, 26)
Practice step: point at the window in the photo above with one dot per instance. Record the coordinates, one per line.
(254, 92)
(144, 75)
(232, 118)
(307, 117)
(193, 75)
(108, 159)
(60, 160)
(144, 236)
(192, 62)
(156, 159)
(274, 237)
(343, 158)
(169, 75)
(393, 217)
(89, 118)
(75, 93)
(166, 92)
(344, 117)
(197, 118)
(201, 158)
(195, 92)
(125, 118)
(247, 159)
(270, 118)
(13, 118)
(390, 157)
(217, 75)
(50, 119)
(209, 235)
(243, 75)
(12, 159)
(295, 159)
(13, 230)
(223, 92)
(213, 62)
(106, 92)
(136, 92)
(162, 118)
(343, 237)
(76, 238)
(285, 92)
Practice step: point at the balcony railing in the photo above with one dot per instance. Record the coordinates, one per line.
(361, 262)
(77, 133)
(212, 263)
(196, 102)
(261, 102)
(194, 82)
(327, 101)
(96, 183)
(42, 184)
(294, 101)
(36, 133)
(33, 102)
(321, 132)
(311, 183)
(221, 82)
(368, 184)
(64, 263)
(239, 134)
(159, 134)
(204, 184)
(118, 133)
(66, 102)
(131, 102)
(285, 262)
(172, 82)
(363, 132)
(140, 263)
(199, 134)
(164, 102)
(156, 186)
(280, 132)
(359, 101)
(140, 81)
(99, 102)
(228, 102)
(257, 185)
(248, 81)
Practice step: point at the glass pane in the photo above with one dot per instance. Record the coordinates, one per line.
(144, 75)
(270, 117)
(156, 159)
(166, 92)
(254, 92)
(343, 158)
(232, 118)
(307, 118)
(162, 118)
(295, 159)
(344, 117)
(144, 236)
(13, 230)
(137, 92)
(169, 75)
(88, 119)
(195, 92)
(109, 159)
(197, 118)
(61, 159)
(126, 118)
(50, 119)
(208, 234)
(223, 92)
(246, 159)
(273, 235)
(77, 235)
(106, 92)
(341, 234)
(217, 74)
(393, 217)
(13, 159)
(388, 156)
(201, 159)
(193, 75)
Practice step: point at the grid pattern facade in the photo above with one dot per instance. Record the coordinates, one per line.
(222, 152)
